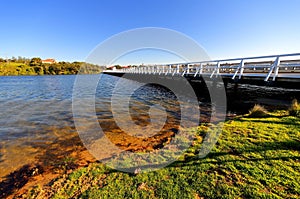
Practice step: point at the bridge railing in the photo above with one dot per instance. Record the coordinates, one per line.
(268, 67)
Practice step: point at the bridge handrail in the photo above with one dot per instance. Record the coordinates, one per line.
(216, 67)
(237, 59)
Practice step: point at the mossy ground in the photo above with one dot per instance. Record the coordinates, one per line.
(253, 158)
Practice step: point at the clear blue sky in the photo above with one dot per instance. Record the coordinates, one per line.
(70, 29)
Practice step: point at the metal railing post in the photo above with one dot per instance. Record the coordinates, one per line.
(275, 65)
(276, 68)
(216, 70)
(239, 68)
(201, 69)
(175, 70)
(169, 69)
(162, 69)
(188, 69)
(197, 71)
(242, 69)
(183, 72)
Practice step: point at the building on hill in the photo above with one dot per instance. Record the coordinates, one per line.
(48, 61)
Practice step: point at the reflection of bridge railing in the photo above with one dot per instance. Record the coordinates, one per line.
(266, 67)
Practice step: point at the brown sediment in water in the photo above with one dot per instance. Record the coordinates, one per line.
(136, 141)
(67, 153)
(62, 155)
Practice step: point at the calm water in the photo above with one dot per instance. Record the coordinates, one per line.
(36, 111)
(32, 108)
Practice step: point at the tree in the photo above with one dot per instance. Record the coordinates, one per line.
(23, 60)
(39, 70)
(36, 61)
(118, 66)
(13, 59)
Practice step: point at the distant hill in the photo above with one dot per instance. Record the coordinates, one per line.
(37, 66)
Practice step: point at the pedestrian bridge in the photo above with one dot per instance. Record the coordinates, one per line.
(271, 70)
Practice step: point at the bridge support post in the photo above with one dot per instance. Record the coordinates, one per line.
(201, 69)
(177, 69)
(242, 69)
(276, 68)
(218, 68)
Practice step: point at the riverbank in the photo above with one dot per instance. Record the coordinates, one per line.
(254, 157)
(59, 68)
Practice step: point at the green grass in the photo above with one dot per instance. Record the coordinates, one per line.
(254, 158)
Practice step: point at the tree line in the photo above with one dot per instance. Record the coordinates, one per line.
(35, 66)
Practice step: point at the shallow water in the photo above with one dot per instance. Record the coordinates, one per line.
(36, 114)
(32, 107)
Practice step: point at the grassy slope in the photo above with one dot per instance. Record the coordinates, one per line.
(254, 158)
(13, 69)
(16, 69)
